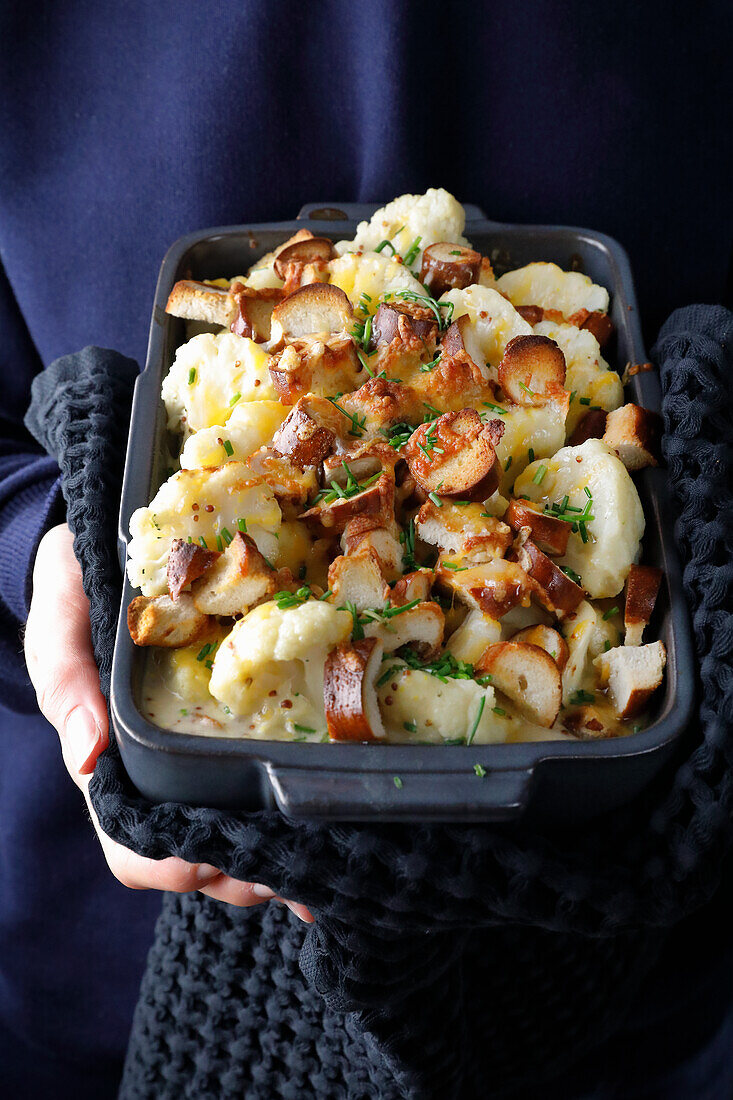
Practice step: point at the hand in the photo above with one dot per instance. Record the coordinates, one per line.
(58, 651)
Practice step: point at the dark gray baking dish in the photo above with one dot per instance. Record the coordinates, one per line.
(553, 782)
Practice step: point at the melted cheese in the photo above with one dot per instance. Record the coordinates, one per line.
(208, 373)
(547, 285)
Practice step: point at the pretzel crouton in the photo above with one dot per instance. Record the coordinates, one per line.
(238, 580)
(642, 586)
(633, 433)
(195, 301)
(161, 621)
(632, 674)
(358, 579)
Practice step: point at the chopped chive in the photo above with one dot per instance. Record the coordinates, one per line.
(228, 448)
(184, 712)
(527, 389)
(412, 252)
(388, 675)
(397, 782)
(480, 770)
(573, 395)
(303, 729)
(538, 477)
(494, 408)
(386, 244)
(219, 543)
(226, 535)
(411, 727)
(192, 376)
(587, 492)
(456, 568)
(500, 711)
(508, 462)
(474, 727)
(209, 664)
(326, 594)
(606, 646)
(584, 400)
(455, 252)
(202, 540)
(436, 500)
(242, 526)
(610, 613)
(235, 398)
(429, 366)
(571, 573)
(204, 652)
(582, 696)
(530, 452)
(455, 741)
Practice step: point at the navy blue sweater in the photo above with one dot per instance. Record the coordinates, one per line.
(123, 126)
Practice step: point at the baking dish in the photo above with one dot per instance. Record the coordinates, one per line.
(552, 781)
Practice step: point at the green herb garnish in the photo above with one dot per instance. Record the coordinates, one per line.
(358, 423)
(477, 719)
(582, 696)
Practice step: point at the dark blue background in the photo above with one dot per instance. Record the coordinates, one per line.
(123, 126)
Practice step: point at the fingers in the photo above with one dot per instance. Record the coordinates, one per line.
(59, 655)
(60, 659)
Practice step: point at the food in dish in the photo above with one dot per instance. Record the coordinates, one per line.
(403, 509)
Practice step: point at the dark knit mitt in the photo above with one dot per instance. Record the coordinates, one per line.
(399, 908)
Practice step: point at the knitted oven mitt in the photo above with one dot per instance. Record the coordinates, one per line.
(400, 947)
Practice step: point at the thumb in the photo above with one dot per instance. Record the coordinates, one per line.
(59, 655)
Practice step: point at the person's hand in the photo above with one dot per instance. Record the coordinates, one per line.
(58, 651)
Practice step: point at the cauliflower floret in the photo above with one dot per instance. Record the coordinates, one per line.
(374, 274)
(251, 425)
(270, 645)
(587, 373)
(476, 632)
(434, 216)
(547, 285)
(541, 428)
(180, 509)
(425, 708)
(614, 533)
(494, 321)
(263, 278)
(201, 388)
(586, 632)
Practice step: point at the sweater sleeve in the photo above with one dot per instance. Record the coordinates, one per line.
(30, 497)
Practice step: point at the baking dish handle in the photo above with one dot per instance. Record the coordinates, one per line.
(360, 211)
(491, 794)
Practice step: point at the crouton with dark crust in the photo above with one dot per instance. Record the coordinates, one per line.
(236, 581)
(642, 588)
(528, 676)
(532, 370)
(187, 561)
(454, 455)
(548, 533)
(633, 433)
(349, 692)
(447, 266)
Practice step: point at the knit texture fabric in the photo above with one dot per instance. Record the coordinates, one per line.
(427, 938)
